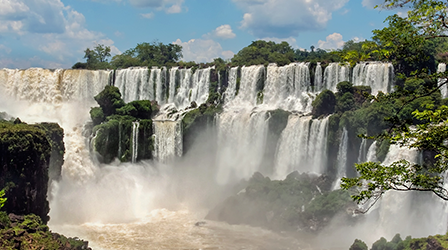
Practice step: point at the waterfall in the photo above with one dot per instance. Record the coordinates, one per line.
(444, 89)
(288, 87)
(342, 159)
(247, 93)
(173, 83)
(371, 153)
(62, 96)
(135, 126)
(167, 140)
(335, 73)
(318, 78)
(241, 144)
(160, 81)
(302, 146)
(200, 86)
(183, 95)
(133, 84)
(230, 92)
(362, 154)
(378, 75)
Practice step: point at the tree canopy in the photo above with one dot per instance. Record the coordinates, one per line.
(149, 54)
(419, 119)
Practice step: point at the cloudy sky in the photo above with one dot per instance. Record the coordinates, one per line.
(54, 33)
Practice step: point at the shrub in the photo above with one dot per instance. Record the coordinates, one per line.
(324, 103)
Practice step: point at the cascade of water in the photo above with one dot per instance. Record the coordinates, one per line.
(133, 83)
(318, 78)
(408, 208)
(371, 153)
(302, 146)
(247, 93)
(230, 92)
(378, 75)
(159, 80)
(341, 159)
(201, 84)
(287, 87)
(362, 154)
(183, 95)
(82, 85)
(241, 143)
(120, 125)
(173, 83)
(335, 73)
(135, 126)
(444, 89)
(62, 96)
(167, 140)
(34, 85)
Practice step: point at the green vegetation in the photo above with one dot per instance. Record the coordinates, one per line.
(324, 103)
(300, 202)
(2, 200)
(28, 232)
(149, 54)
(358, 245)
(113, 123)
(415, 115)
(96, 58)
(25, 158)
(262, 52)
(409, 243)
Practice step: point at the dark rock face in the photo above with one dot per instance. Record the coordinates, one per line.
(55, 136)
(24, 162)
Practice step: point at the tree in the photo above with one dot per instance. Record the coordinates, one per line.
(96, 58)
(149, 54)
(429, 16)
(428, 128)
(404, 46)
(262, 52)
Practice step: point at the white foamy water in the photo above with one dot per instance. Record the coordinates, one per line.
(147, 205)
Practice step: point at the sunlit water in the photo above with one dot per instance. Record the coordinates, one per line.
(155, 206)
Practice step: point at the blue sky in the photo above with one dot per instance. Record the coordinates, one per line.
(54, 33)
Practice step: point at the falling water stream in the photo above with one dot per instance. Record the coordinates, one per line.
(160, 204)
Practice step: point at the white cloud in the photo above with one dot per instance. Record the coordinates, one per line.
(291, 40)
(222, 32)
(149, 15)
(286, 18)
(50, 27)
(175, 8)
(202, 50)
(333, 41)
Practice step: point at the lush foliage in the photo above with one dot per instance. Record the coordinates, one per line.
(148, 54)
(300, 201)
(262, 52)
(416, 115)
(109, 100)
(409, 243)
(358, 245)
(324, 103)
(28, 232)
(113, 123)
